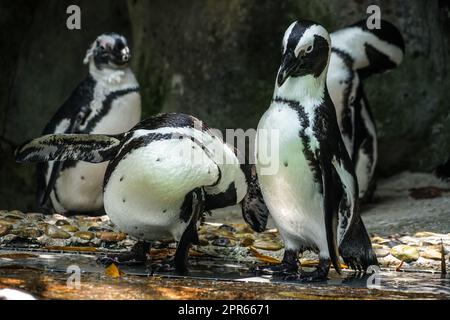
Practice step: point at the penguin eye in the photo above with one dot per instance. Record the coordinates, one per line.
(309, 49)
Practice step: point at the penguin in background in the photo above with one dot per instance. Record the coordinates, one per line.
(162, 176)
(313, 196)
(107, 101)
(358, 52)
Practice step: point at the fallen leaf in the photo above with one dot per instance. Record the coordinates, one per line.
(113, 271)
(264, 258)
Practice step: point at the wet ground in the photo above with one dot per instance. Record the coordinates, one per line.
(45, 276)
(39, 254)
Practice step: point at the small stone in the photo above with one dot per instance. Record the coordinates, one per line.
(380, 240)
(69, 228)
(203, 242)
(99, 229)
(227, 228)
(55, 232)
(85, 235)
(381, 252)
(28, 233)
(423, 234)
(432, 254)
(268, 245)
(60, 223)
(111, 236)
(223, 242)
(16, 213)
(405, 253)
(245, 236)
(4, 230)
(211, 236)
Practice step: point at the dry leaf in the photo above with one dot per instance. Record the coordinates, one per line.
(113, 271)
(264, 258)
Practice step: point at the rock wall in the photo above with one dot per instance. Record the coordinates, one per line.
(216, 60)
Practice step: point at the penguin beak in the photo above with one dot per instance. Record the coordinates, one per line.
(288, 65)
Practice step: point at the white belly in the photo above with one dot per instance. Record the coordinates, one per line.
(79, 189)
(291, 194)
(146, 191)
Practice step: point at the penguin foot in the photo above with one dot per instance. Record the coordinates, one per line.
(137, 255)
(318, 275)
(288, 266)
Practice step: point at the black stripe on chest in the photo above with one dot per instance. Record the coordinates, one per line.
(106, 107)
(311, 156)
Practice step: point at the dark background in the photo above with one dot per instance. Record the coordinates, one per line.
(216, 60)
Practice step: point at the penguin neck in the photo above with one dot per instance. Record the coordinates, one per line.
(306, 90)
(111, 77)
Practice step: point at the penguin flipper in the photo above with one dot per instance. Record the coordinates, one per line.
(331, 212)
(254, 209)
(63, 147)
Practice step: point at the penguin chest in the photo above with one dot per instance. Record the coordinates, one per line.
(292, 191)
(145, 192)
(123, 114)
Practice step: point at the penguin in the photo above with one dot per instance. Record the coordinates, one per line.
(162, 176)
(313, 193)
(358, 52)
(107, 101)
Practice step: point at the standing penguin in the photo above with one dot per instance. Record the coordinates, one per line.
(162, 176)
(358, 52)
(106, 102)
(313, 196)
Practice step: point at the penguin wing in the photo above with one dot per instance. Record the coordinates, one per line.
(254, 209)
(67, 120)
(76, 147)
(331, 196)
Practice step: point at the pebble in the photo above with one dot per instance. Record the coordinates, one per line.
(55, 232)
(380, 240)
(381, 252)
(4, 230)
(431, 253)
(405, 253)
(69, 228)
(111, 236)
(227, 228)
(29, 233)
(84, 235)
(16, 213)
(268, 245)
(203, 242)
(223, 242)
(61, 223)
(210, 236)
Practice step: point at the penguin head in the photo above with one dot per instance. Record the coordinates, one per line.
(305, 51)
(109, 51)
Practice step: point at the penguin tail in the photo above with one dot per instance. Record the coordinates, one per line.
(62, 147)
(356, 248)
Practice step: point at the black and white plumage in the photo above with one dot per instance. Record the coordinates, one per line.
(106, 102)
(313, 196)
(162, 175)
(358, 52)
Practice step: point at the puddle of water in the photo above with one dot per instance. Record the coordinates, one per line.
(390, 284)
